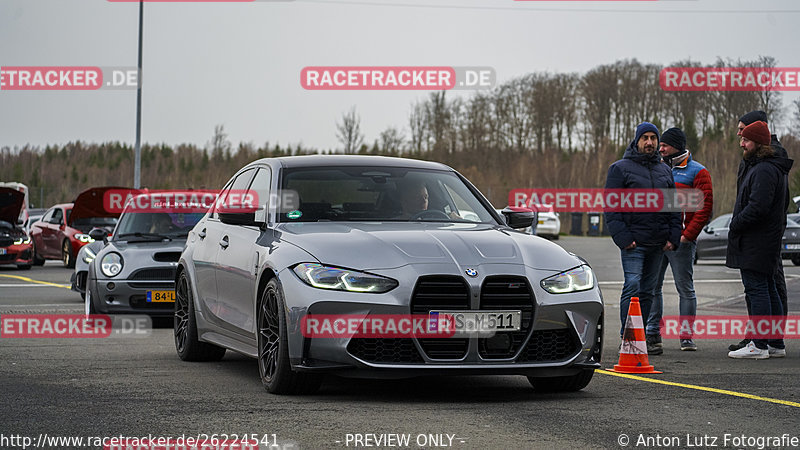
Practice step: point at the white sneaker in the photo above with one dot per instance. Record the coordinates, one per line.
(775, 352)
(750, 351)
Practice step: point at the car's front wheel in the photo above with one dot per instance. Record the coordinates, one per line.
(37, 260)
(570, 383)
(185, 327)
(273, 348)
(66, 254)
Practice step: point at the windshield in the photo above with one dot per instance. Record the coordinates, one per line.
(380, 194)
(85, 224)
(155, 225)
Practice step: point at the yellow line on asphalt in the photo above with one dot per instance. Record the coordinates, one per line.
(703, 388)
(31, 280)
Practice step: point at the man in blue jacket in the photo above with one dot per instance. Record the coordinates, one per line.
(642, 236)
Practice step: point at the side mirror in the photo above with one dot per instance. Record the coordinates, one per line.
(238, 218)
(98, 234)
(519, 217)
(708, 230)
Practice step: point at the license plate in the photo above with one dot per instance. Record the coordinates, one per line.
(160, 296)
(480, 322)
(792, 246)
(541, 222)
(3, 251)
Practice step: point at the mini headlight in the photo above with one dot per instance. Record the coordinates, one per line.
(336, 278)
(23, 240)
(111, 264)
(85, 238)
(89, 255)
(578, 279)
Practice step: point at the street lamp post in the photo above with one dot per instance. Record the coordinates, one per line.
(137, 165)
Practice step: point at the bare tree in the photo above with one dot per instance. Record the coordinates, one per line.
(349, 131)
(391, 140)
(220, 145)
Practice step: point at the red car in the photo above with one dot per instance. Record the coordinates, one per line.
(15, 244)
(64, 228)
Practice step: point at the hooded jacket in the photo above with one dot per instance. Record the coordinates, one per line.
(759, 214)
(689, 174)
(641, 171)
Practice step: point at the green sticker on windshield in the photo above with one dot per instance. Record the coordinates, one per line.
(294, 214)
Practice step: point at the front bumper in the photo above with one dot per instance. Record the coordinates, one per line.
(124, 296)
(561, 335)
(20, 255)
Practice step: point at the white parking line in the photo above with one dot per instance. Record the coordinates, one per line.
(728, 280)
(26, 285)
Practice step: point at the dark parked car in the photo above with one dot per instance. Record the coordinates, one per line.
(15, 243)
(134, 271)
(64, 228)
(335, 235)
(712, 243)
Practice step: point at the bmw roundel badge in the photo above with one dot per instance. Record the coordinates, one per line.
(471, 272)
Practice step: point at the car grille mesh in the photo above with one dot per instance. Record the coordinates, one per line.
(550, 345)
(163, 273)
(441, 292)
(506, 293)
(394, 350)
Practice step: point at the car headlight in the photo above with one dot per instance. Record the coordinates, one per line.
(85, 238)
(578, 279)
(23, 240)
(336, 278)
(111, 264)
(89, 255)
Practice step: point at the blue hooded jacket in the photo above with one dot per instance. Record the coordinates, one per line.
(641, 171)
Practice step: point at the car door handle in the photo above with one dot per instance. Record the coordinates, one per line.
(202, 234)
(223, 242)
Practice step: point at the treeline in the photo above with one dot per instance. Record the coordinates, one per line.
(540, 130)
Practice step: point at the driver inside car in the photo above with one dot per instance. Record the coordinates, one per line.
(414, 201)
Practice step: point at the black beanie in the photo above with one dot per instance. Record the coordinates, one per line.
(675, 137)
(753, 116)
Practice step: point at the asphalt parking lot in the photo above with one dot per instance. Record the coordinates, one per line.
(137, 387)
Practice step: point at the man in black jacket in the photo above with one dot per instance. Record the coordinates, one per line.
(756, 231)
(642, 236)
(780, 152)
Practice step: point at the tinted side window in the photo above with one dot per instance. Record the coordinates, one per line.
(260, 187)
(58, 214)
(239, 184)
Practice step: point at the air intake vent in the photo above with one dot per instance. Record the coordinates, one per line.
(441, 293)
(167, 256)
(511, 293)
(163, 273)
(395, 350)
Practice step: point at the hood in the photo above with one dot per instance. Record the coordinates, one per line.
(89, 203)
(784, 164)
(11, 203)
(371, 246)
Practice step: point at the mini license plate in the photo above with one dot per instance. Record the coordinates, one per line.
(792, 246)
(468, 322)
(160, 296)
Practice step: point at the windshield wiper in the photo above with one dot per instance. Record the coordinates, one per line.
(148, 236)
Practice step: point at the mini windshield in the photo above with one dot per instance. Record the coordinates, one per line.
(379, 194)
(155, 225)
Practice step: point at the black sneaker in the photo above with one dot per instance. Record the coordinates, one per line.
(742, 344)
(688, 345)
(654, 340)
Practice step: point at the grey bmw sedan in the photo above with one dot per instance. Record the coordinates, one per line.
(367, 266)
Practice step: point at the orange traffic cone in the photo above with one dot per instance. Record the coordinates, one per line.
(633, 352)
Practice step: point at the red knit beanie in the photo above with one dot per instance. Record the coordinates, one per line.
(757, 132)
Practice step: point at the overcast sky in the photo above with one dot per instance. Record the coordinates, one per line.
(238, 64)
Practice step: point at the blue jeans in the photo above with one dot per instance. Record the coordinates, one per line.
(640, 267)
(681, 261)
(764, 301)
